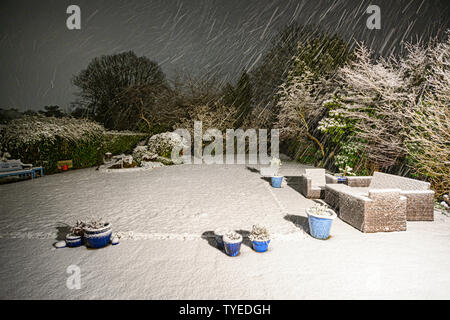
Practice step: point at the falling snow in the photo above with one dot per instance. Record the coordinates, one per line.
(39, 55)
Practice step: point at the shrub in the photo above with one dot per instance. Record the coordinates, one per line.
(399, 109)
(427, 134)
(342, 142)
(374, 98)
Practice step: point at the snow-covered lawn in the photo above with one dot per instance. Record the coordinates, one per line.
(169, 202)
(166, 217)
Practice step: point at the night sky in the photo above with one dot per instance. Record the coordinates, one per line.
(39, 55)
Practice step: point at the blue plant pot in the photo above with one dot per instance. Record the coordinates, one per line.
(219, 242)
(74, 241)
(260, 246)
(218, 234)
(319, 227)
(232, 249)
(342, 179)
(98, 238)
(276, 182)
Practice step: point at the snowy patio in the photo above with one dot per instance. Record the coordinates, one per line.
(166, 217)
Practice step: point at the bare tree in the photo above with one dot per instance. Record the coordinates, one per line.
(107, 76)
(150, 104)
(301, 105)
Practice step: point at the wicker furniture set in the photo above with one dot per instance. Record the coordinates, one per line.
(380, 203)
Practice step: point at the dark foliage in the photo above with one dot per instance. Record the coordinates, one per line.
(240, 98)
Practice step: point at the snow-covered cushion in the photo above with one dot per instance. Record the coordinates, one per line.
(317, 177)
(10, 165)
(384, 181)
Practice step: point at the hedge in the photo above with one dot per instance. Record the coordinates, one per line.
(122, 142)
(43, 141)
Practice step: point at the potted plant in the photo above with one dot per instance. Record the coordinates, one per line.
(343, 173)
(218, 234)
(97, 233)
(75, 237)
(260, 238)
(232, 243)
(275, 164)
(320, 218)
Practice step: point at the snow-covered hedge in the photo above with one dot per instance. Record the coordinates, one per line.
(43, 141)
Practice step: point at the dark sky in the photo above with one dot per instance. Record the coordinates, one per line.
(39, 55)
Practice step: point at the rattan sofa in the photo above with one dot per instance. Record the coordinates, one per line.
(382, 210)
(419, 197)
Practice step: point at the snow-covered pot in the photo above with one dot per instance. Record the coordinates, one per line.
(260, 246)
(73, 240)
(276, 181)
(320, 225)
(218, 234)
(98, 238)
(260, 238)
(232, 246)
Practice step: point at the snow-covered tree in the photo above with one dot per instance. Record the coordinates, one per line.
(427, 131)
(374, 98)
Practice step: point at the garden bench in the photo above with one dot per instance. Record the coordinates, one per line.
(17, 168)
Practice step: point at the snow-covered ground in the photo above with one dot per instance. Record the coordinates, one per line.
(166, 217)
